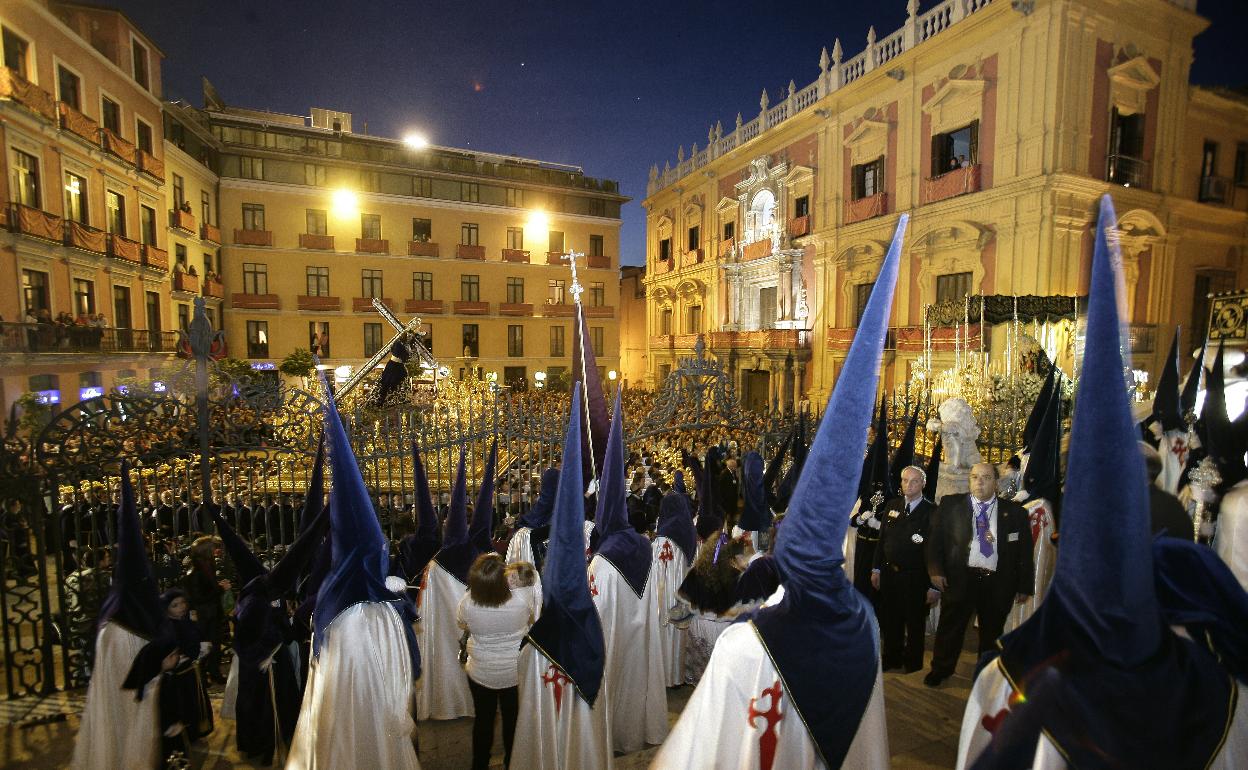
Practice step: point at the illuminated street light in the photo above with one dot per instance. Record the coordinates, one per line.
(346, 202)
(611, 375)
(416, 141)
(538, 222)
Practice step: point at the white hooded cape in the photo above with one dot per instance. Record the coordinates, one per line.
(634, 667)
(556, 729)
(668, 568)
(1040, 512)
(443, 692)
(1231, 539)
(117, 730)
(520, 549)
(356, 708)
(991, 694)
(716, 731)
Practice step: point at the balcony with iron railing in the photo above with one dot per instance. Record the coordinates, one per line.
(121, 247)
(598, 262)
(35, 223)
(691, 257)
(959, 181)
(210, 233)
(516, 255)
(756, 250)
(515, 308)
(244, 301)
(866, 207)
(466, 251)
(118, 147)
(556, 258)
(15, 88)
(424, 306)
(151, 165)
(253, 237)
(316, 241)
(799, 226)
(59, 339)
(155, 258)
(185, 282)
(214, 288)
(182, 220)
(1215, 189)
(422, 249)
(85, 237)
(78, 124)
(365, 304)
(319, 304)
(1127, 171)
(470, 307)
(372, 246)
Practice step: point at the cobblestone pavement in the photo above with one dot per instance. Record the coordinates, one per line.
(923, 727)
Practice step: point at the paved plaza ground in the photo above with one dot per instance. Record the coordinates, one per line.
(923, 726)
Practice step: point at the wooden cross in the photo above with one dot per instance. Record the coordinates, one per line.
(403, 330)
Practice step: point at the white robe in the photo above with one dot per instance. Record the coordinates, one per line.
(1173, 448)
(634, 666)
(1040, 512)
(356, 708)
(556, 729)
(443, 692)
(669, 568)
(991, 695)
(715, 730)
(117, 730)
(1231, 540)
(520, 549)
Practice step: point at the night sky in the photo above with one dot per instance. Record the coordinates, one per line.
(611, 87)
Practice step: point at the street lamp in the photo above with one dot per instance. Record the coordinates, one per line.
(611, 375)
(416, 141)
(539, 379)
(346, 202)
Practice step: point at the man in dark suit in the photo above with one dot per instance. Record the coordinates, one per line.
(899, 573)
(979, 556)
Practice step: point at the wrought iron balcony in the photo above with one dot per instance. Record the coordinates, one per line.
(515, 255)
(959, 181)
(866, 208)
(78, 124)
(422, 249)
(35, 223)
(115, 145)
(598, 261)
(315, 241)
(210, 233)
(253, 237)
(18, 89)
(1215, 189)
(424, 306)
(372, 245)
(1127, 171)
(332, 304)
(54, 338)
(182, 220)
(465, 251)
(185, 282)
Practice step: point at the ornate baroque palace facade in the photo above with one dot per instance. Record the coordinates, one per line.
(288, 226)
(996, 125)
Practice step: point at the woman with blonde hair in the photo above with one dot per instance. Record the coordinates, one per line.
(496, 620)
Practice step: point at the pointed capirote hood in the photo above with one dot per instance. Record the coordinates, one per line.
(1191, 386)
(314, 500)
(1220, 437)
(1037, 409)
(1099, 640)
(772, 473)
(569, 633)
(678, 483)
(676, 523)
(246, 564)
(594, 408)
(1167, 407)
(360, 553)
(458, 551)
(1044, 464)
(904, 456)
(133, 600)
(876, 477)
(482, 527)
(821, 610)
(755, 513)
(539, 514)
(426, 516)
(797, 450)
(626, 548)
(933, 470)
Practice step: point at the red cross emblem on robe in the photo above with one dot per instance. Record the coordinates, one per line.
(666, 553)
(556, 679)
(771, 717)
(593, 585)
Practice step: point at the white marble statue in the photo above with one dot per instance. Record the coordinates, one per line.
(958, 432)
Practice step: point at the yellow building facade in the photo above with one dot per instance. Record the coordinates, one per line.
(996, 126)
(633, 348)
(84, 217)
(317, 221)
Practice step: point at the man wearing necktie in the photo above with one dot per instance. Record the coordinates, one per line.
(979, 556)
